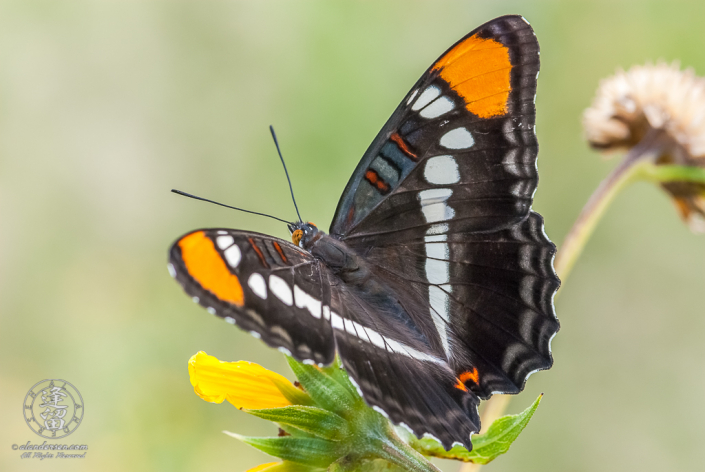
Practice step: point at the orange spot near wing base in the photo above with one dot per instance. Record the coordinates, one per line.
(478, 69)
(205, 265)
(465, 376)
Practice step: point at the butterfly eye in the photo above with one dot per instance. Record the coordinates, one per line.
(296, 236)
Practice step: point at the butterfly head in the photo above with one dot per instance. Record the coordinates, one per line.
(302, 234)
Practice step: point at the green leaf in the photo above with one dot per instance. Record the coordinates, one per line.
(294, 394)
(296, 432)
(313, 420)
(325, 391)
(486, 447)
(338, 373)
(307, 451)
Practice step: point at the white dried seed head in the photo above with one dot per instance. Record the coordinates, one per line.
(629, 104)
(662, 97)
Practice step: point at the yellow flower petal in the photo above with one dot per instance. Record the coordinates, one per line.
(263, 466)
(244, 384)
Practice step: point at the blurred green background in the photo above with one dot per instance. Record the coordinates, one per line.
(107, 105)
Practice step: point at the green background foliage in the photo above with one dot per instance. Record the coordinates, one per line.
(107, 105)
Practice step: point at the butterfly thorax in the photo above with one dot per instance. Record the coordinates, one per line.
(359, 279)
(342, 260)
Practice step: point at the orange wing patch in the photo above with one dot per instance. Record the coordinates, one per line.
(402, 145)
(467, 375)
(473, 375)
(204, 264)
(279, 250)
(478, 69)
(376, 180)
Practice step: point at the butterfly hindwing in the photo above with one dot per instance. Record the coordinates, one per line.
(411, 387)
(464, 135)
(488, 295)
(264, 285)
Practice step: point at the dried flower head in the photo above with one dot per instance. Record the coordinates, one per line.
(649, 99)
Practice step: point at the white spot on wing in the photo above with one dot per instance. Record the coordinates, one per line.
(439, 107)
(304, 300)
(442, 170)
(224, 241)
(438, 229)
(336, 321)
(372, 336)
(211, 310)
(426, 97)
(281, 290)
(172, 271)
(437, 266)
(413, 95)
(233, 255)
(285, 351)
(435, 238)
(433, 204)
(256, 283)
(458, 138)
(437, 272)
(435, 195)
(440, 312)
(230, 319)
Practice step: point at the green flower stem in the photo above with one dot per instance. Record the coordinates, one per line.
(662, 174)
(626, 173)
(394, 450)
(582, 229)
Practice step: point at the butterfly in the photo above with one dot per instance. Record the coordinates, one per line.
(435, 283)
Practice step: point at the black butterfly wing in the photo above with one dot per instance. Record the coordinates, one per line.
(282, 294)
(440, 206)
(264, 285)
(410, 385)
(464, 135)
(489, 295)
(478, 319)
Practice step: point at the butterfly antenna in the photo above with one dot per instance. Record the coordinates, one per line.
(228, 206)
(276, 143)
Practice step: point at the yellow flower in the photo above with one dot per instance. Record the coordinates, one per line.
(262, 467)
(244, 384)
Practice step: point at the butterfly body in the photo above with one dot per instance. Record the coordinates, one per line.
(435, 284)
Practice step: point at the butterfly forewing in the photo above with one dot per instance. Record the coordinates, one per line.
(264, 285)
(460, 146)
